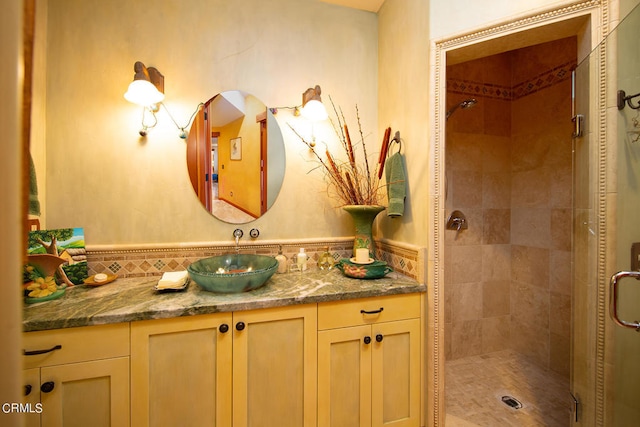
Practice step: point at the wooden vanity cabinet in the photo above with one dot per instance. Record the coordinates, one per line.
(181, 371)
(369, 370)
(78, 376)
(352, 362)
(275, 367)
(249, 368)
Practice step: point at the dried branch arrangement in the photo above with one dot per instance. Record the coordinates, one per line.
(353, 180)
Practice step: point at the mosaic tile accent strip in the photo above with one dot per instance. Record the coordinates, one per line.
(518, 90)
(487, 90)
(142, 262)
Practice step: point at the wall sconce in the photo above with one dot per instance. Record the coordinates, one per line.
(147, 87)
(312, 109)
(147, 90)
(312, 106)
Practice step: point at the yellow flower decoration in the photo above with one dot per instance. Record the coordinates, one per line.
(42, 287)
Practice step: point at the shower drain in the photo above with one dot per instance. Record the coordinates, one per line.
(512, 402)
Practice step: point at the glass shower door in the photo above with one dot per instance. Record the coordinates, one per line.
(605, 374)
(624, 297)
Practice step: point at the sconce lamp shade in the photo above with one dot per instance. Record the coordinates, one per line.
(147, 87)
(312, 106)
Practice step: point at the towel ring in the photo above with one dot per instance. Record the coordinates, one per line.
(398, 141)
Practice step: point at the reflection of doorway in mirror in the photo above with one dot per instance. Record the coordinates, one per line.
(214, 167)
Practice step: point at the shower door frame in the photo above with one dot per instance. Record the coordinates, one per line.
(597, 13)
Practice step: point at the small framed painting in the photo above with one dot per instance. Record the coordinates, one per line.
(235, 148)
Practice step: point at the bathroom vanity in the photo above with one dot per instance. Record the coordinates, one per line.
(306, 349)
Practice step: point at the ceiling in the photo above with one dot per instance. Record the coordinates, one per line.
(370, 5)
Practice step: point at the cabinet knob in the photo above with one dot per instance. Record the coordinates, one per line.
(224, 328)
(47, 387)
(379, 337)
(367, 340)
(27, 390)
(240, 326)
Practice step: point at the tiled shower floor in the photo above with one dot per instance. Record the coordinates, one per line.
(475, 386)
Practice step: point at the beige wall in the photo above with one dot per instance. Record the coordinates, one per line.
(403, 105)
(124, 190)
(130, 191)
(458, 16)
(10, 194)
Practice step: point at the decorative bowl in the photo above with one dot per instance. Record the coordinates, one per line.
(374, 270)
(232, 273)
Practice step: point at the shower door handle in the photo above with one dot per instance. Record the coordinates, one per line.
(613, 299)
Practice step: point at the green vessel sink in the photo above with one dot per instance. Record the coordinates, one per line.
(232, 273)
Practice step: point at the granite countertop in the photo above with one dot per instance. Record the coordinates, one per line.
(131, 299)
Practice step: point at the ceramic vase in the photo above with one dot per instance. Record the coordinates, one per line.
(363, 216)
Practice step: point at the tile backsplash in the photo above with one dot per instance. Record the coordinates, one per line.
(153, 261)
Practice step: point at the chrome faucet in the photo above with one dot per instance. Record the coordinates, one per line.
(237, 234)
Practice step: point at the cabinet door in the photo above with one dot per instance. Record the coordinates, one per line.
(275, 367)
(94, 393)
(181, 371)
(396, 370)
(344, 377)
(31, 379)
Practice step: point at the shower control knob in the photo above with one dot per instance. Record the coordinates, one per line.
(367, 340)
(379, 337)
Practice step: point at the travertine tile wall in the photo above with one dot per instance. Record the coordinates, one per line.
(507, 278)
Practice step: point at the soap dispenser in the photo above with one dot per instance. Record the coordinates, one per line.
(282, 261)
(301, 260)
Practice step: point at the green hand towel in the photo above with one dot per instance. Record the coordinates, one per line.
(396, 184)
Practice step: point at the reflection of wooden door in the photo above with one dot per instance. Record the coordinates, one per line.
(199, 158)
(263, 165)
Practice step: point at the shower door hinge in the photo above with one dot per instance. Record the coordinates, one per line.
(575, 404)
(578, 122)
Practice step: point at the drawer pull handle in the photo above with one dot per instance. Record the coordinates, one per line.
(47, 387)
(36, 352)
(27, 389)
(224, 328)
(240, 326)
(372, 312)
(379, 337)
(367, 340)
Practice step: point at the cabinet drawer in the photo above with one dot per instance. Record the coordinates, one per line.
(340, 314)
(77, 344)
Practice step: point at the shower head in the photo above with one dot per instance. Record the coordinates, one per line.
(467, 103)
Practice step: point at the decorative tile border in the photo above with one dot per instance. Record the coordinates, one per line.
(153, 261)
(518, 90)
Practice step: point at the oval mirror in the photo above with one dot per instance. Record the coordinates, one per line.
(235, 157)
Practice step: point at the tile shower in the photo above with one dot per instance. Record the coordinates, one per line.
(509, 170)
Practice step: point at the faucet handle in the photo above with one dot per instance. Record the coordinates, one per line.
(254, 233)
(238, 233)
